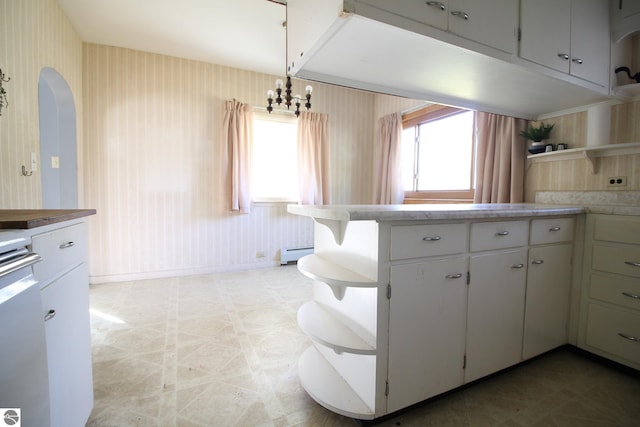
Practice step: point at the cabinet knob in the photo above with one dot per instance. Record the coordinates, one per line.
(554, 229)
(453, 276)
(517, 266)
(577, 60)
(563, 56)
(437, 4)
(537, 262)
(460, 14)
(632, 264)
(431, 238)
(502, 233)
(66, 245)
(50, 315)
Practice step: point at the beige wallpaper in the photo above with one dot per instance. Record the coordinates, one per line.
(576, 175)
(154, 166)
(33, 34)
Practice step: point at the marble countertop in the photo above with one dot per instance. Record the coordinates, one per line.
(22, 219)
(432, 211)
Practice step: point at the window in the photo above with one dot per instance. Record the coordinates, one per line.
(438, 154)
(275, 162)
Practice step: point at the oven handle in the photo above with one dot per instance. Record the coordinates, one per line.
(23, 262)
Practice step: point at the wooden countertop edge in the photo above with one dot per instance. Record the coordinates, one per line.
(23, 219)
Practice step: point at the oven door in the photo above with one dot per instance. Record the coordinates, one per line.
(24, 383)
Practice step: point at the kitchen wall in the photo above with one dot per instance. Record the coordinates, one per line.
(576, 175)
(155, 167)
(33, 34)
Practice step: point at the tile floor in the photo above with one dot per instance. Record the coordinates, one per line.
(222, 349)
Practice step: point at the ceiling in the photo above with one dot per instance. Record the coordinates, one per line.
(246, 34)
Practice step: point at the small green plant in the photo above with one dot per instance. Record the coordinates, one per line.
(539, 133)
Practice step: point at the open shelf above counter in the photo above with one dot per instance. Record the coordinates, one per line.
(592, 154)
(336, 276)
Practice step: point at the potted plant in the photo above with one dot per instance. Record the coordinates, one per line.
(537, 135)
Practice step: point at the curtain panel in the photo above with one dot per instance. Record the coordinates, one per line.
(387, 157)
(313, 155)
(501, 154)
(238, 128)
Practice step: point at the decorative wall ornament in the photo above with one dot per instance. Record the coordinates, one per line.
(635, 76)
(4, 103)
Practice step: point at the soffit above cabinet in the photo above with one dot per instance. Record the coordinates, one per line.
(351, 50)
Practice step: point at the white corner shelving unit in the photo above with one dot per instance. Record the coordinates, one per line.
(592, 154)
(339, 369)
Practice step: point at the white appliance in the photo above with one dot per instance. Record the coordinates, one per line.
(23, 358)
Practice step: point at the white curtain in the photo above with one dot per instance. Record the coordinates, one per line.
(500, 159)
(313, 157)
(387, 158)
(238, 128)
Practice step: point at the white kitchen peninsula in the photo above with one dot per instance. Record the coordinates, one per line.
(411, 301)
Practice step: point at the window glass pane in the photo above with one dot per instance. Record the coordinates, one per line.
(275, 171)
(408, 156)
(446, 149)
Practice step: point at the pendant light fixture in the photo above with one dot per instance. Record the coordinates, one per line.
(287, 100)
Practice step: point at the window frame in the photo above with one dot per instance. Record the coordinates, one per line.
(428, 114)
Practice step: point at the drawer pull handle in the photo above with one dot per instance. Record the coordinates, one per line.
(453, 276)
(554, 229)
(537, 262)
(50, 315)
(632, 264)
(517, 266)
(629, 337)
(431, 239)
(460, 14)
(66, 245)
(502, 233)
(634, 296)
(436, 4)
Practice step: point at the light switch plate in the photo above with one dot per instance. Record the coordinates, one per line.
(55, 162)
(34, 162)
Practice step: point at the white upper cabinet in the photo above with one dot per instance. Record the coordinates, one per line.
(491, 22)
(569, 36)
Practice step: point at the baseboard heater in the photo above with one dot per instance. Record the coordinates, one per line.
(293, 254)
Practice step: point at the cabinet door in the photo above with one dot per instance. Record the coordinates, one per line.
(490, 22)
(68, 337)
(496, 312)
(433, 13)
(546, 32)
(548, 289)
(426, 330)
(590, 41)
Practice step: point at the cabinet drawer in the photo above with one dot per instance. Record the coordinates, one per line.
(607, 329)
(59, 249)
(614, 228)
(620, 260)
(417, 241)
(617, 290)
(552, 230)
(498, 235)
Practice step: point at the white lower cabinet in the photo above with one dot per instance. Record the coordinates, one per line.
(496, 312)
(405, 312)
(65, 302)
(548, 292)
(427, 318)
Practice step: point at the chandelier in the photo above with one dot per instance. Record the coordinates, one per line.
(287, 99)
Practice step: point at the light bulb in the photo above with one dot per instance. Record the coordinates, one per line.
(308, 89)
(270, 93)
(297, 98)
(278, 84)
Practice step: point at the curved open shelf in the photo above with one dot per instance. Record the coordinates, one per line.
(323, 327)
(328, 388)
(336, 276)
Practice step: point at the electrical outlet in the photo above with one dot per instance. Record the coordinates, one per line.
(617, 181)
(34, 162)
(260, 254)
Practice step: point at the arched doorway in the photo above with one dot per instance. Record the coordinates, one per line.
(58, 153)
